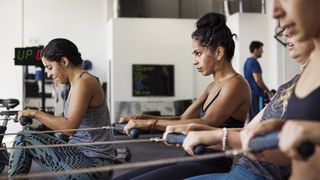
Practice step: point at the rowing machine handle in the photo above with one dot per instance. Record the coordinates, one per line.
(25, 121)
(178, 138)
(270, 141)
(133, 132)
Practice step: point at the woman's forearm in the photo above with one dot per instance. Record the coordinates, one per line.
(162, 123)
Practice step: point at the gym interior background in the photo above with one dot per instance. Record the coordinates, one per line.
(117, 34)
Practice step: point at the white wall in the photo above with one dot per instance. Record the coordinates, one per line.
(10, 35)
(81, 21)
(241, 25)
(160, 41)
(234, 25)
(34, 22)
(167, 41)
(250, 31)
(275, 63)
(282, 67)
(150, 41)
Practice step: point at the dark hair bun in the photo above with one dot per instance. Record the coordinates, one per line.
(213, 32)
(211, 20)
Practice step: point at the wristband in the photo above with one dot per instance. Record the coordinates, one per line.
(224, 138)
(153, 124)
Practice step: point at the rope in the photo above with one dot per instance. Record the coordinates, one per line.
(156, 139)
(62, 130)
(229, 153)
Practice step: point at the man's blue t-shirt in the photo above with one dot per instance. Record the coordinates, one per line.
(252, 66)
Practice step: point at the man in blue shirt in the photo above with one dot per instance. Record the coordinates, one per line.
(253, 74)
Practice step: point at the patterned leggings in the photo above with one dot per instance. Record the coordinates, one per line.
(52, 159)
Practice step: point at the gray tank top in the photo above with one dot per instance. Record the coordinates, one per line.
(273, 110)
(95, 117)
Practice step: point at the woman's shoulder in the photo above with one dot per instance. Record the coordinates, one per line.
(88, 79)
(88, 83)
(237, 85)
(237, 81)
(289, 83)
(90, 86)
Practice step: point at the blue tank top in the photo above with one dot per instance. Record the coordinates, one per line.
(95, 117)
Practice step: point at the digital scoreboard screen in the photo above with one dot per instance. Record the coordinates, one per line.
(28, 56)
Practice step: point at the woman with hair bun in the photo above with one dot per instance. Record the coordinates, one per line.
(224, 103)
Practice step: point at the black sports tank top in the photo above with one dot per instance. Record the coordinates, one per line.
(230, 122)
(304, 108)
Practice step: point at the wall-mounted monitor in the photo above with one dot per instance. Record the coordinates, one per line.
(152, 80)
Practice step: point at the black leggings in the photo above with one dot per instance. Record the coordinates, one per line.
(179, 170)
